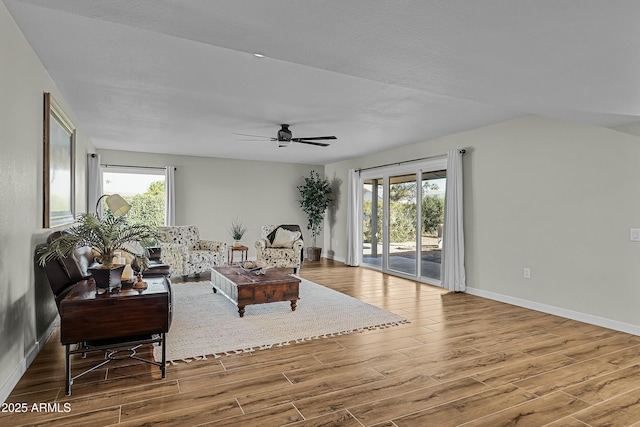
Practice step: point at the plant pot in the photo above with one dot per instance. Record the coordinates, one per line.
(237, 243)
(107, 278)
(313, 254)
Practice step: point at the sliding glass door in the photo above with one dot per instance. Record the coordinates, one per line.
(401, 211)
(372, 213)
(402, 219)
(433, 185)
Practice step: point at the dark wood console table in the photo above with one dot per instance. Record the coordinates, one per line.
(111, 321)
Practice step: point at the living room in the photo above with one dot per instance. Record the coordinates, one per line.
(551, 194)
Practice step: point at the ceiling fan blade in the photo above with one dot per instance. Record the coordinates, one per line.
(255, 136)
(314, 138)
(319, 144)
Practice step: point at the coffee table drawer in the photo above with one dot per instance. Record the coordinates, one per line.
(261, 294)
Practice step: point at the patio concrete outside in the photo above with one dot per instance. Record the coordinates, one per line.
(402, 257)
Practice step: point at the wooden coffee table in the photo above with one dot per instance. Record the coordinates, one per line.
(245, 288)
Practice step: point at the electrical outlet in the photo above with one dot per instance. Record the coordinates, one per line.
(634, 235)
(527, 273)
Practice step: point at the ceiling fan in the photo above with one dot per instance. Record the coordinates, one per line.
(284, 137)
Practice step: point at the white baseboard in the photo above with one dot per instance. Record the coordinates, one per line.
(558, 311)
(336, 258)
(13, 380)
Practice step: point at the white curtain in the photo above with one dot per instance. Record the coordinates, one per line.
(170, 196)
(453, 273)
(354, 231)
(94, 182)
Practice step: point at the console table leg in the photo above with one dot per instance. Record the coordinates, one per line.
(67, 370)
(294, 304)
(241, 310)
(163, 368)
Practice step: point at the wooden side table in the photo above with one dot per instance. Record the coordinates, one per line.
(115, 322)
(244, 253)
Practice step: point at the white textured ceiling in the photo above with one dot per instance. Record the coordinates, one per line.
(179, 76)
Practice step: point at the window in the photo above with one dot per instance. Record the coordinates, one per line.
(142, 188)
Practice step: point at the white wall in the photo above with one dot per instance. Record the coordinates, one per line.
(211, 192)
(630, 128)
(23, 80)
(554, 196)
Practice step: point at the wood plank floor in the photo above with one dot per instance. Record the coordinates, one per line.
(462, 360)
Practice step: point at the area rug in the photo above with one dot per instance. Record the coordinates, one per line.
(207, 324)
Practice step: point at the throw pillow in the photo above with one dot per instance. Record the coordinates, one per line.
(284, 238)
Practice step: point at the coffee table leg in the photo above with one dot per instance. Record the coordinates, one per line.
(294, 304)
(241, 310)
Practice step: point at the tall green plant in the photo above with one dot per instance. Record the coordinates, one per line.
(314, 201)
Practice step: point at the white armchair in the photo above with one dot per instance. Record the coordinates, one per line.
(281, 246)
(183, 250)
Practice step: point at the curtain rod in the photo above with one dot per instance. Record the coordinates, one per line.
(402, 162)
(106, 165)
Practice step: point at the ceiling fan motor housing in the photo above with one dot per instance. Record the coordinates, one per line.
(284, 134)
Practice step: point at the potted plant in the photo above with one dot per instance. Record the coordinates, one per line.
(236, 231)
(314, 200)
(105, 236)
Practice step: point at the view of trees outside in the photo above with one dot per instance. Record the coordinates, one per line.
(432, 213)
(145, 194)
(148, 207)
(402, 213)
(368, 221)
(402, 253)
